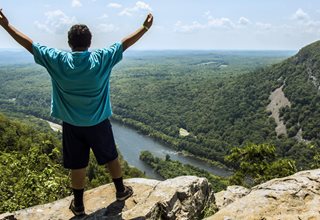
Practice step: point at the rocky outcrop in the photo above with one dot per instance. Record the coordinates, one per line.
(179, 198)
(293, 197)
(278, 100)
(226, 197)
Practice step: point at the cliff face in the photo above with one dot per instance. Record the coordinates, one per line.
(179, 198)
(292, 197)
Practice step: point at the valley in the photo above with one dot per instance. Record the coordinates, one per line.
(206, 104)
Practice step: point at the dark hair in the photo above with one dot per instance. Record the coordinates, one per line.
(79, 35)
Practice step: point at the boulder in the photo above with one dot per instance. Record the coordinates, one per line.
(292, 197)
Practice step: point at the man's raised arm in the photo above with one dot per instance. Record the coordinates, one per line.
(133, 38)
(22, 39)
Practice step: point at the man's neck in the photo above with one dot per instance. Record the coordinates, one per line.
(80, 49)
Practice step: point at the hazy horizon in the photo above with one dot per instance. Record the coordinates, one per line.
(19, 49)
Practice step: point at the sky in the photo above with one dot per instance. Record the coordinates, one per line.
(178, 24)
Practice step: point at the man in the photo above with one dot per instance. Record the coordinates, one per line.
(80, 98)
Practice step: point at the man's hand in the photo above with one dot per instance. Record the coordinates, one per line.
(148, 22)
(3, 19)
(22, 39)
(134, 37)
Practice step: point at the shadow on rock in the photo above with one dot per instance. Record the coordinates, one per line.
(112, 212)
(78, 217)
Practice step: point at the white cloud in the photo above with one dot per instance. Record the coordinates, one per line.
(312, 27)
(104, 16)
(307, 24)
(139, 6)
(143, 6)
(126, 12)
(300, 15)
(263, 26)
(114, 5)
(211, 23)
(76, 3)
(56, 22)
(220, 22)
(300, 26)
(244, 21)
(208, 15)
(180, 27)
(106, 28)
(42, 27)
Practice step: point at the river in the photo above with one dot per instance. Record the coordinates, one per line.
(131, 143)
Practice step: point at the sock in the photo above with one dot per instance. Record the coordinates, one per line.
(119, 184)
(78, 197)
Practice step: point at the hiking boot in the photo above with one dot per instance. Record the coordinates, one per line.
(77, 211)
(121, 196)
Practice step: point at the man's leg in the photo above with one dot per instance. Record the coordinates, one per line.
(78, 178)
(114, 168)
(123, 192)
(77, 183)
(115, 171)
(75, 157)
(104, 148)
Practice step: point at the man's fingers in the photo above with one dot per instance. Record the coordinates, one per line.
(150, 17)
(1, 14)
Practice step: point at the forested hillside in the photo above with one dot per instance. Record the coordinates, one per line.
(220, 98)
(301, 75)
(212, 96)
(222, 110)
(25, 88)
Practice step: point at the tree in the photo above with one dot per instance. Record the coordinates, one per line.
(257, 163)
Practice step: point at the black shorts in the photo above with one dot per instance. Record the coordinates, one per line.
(77, 142)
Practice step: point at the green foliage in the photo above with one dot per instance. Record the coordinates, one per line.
(220, 98)
(257, 163)
(30, 179)
(220, 107)
(170, 169)
(30, 166)
(210, 210)
(30, 169)
(25, 88)
(158, 93)
(316, 161)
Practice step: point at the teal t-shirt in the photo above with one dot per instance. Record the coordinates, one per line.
(80, 82)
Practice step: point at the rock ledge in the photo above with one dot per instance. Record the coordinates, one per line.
(288, 198)
(183, 197)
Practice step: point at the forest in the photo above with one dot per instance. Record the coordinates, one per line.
(162, 92)
(218, 97)
(222, 102)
